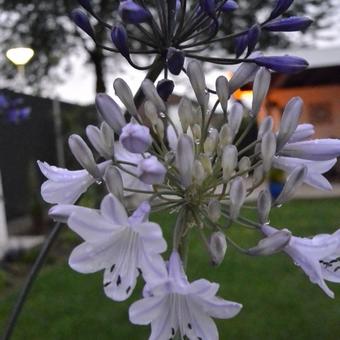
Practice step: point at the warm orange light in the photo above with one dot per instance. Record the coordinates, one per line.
(243, 95)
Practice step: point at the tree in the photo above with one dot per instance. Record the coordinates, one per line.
(46, 27)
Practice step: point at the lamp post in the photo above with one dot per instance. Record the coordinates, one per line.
(20, 56)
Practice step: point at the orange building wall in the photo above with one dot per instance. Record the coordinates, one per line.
(321, 107)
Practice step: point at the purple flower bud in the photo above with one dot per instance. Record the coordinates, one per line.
(283, 64)
(151, 171)
(253, 38)
(280, 7)
(290, 24)
(165, 87)
(175, 60)
(82, 21)
(241, 43)
(229, 6)
(135, 138)
(208, 6)
(120, 39)
(16, 115)
(133, 13)
(85, 4)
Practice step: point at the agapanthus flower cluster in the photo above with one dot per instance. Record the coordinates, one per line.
(198, 167)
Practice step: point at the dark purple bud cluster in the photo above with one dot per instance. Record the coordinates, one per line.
(174, 30)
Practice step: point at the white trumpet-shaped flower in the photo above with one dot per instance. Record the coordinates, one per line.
(122, 246)
(177, 306)
(318, 257)
(65, 186)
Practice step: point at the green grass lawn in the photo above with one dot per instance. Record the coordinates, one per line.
(279, 300)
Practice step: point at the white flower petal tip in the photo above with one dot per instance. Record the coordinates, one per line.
(177, 306)
(318, 257)
(135, 138)
(122, 246)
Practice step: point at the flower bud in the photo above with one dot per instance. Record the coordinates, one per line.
(235, 118)
(165, 87)
(271, 244)
(260, 89)
(196, 132)
(108, 136)
(151, 171)
(229, 5)
(229, 161)
(185, 113)
(244, 74)
(151, 93)
(280, 7)
(185, 159)
(197, 80)
(289, 121)
(241, 43)
(159, 128)
(110, 112)
(82, 21)
(135, 138)
(283, 64)
(83, 155)
(243, 166)
(151, 112)
(289, 24)
(218, 247)
(223, 92)
(133, 13)
(123, 92)
(293, 182)
(253, 37)
(237, 196)
(114, 182)
(258, 176)
(206, 162)
(265, 126)
(211, 142)
(214, 210)
(226, 135)
(198, 172)
(208, 6)
(119, 38)
(175, 60)
(268, 148)
(97, 140)
(264, 204)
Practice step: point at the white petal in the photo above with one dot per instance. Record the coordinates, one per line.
(141, 214)
(91, 226)
(145, 311)
(161, 328)
(302, 132)
(113, 210)
(91, 257)
(152, 237)
(66, 192)
(204, 288)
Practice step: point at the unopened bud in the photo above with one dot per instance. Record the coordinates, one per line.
(258, 175)
(151, 112)
(237, 195)
(265, 126)
(196, 132)
(211, 142)
(151, 171)
(114, 182)
(218, 247)
(97, 140)
(289, 121)
(198, 172)
(185, 113)
(214, 210)
(226, 135)
(83, 155)
(110, 112)
(293, 182)
(235, 118)
(229, 161)
(206, 162)
(268, 149)
(271, 244)
(185, 159)
(135, 138)
(260, 89)
(159, 128)
(108, 136)
(243, 75)
(123, 92)
(243, 166)
(197, 80)
(264, 204)
(223, 93)
(151, 94)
